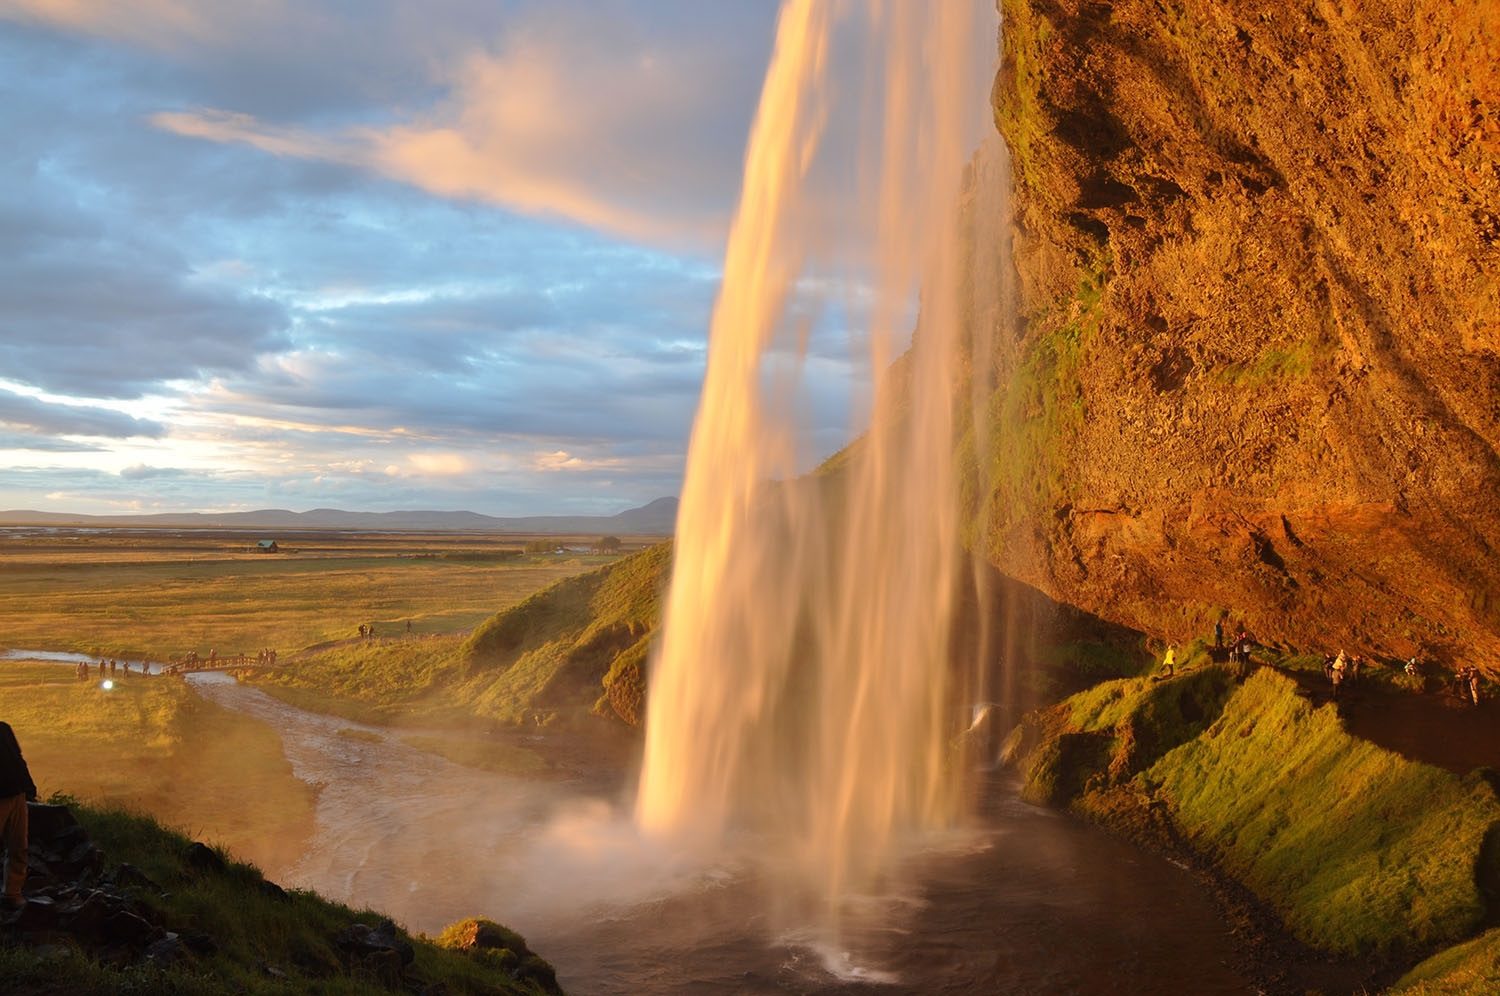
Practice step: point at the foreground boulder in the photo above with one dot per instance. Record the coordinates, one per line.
(72, 900)
(493, 944)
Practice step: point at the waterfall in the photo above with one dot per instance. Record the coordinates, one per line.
(802, 689)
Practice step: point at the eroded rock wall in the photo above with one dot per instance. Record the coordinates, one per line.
(1257, 244)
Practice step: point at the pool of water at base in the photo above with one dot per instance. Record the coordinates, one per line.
(1025, 901)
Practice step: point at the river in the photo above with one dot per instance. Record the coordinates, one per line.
(1026, 901)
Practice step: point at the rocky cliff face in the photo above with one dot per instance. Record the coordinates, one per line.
(1258, 372)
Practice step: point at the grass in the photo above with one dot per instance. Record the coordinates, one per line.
(380, 682)
(559, 646)
(1293, 361)
(153, 744)
(254, 932)
(1359, 849)
(122, 595)
(574, 646)
(1467, 968)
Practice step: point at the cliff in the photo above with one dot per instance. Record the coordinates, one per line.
(1258, 367)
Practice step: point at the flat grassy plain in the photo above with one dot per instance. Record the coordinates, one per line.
(157, 593)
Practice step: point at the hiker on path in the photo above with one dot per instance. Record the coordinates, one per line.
(1339, 666)
(16, 787)
(408, 627)
(1474, 684)
(1169, 662)
(1219, 635)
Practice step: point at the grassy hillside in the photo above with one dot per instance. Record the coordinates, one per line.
(1462, 970)
(1359, 850)
(583, 640)
(262, 940)
(577, 646)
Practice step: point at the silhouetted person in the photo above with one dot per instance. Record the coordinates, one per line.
(1219, 635)
(408, 627)
(16, 787)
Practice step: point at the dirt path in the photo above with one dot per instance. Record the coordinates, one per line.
(1433, 726)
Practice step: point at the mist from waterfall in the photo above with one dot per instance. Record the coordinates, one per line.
(803, 690)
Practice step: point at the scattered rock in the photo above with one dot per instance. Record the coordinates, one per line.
(71, 902)
(168, 950)
(204, 858)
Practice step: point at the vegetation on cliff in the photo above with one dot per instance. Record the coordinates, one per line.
(1357, 849)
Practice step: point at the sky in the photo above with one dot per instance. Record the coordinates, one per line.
(371, 254)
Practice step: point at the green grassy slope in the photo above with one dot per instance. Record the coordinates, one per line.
(1359, 850)
(265, 943)
(574, 647)
(579, 644)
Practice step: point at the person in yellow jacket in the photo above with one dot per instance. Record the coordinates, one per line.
(1169, 662)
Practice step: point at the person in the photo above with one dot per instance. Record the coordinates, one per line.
(1411, 668)
(408, 627)
(16, 787)
(1474, 684)
(1219, 635)
(1339, 665)
(1169, 662)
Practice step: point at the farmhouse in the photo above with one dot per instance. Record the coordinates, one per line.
(267, 546)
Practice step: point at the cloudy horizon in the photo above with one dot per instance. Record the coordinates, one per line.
(370, 255)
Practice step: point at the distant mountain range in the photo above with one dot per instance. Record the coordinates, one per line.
(657, 518)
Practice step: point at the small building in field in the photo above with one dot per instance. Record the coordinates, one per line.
(267, 546)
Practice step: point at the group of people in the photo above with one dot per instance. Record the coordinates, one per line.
(367, 630)
(1239, 650)
(107, 669)
(1342, 668)
(1345, 669)
(266, 658)
(1466, 683)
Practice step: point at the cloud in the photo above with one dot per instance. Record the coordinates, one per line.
(628, 124)
(141, 472)
(19, 411)
(440, 464)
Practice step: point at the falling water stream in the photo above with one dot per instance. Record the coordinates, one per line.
(803, 689)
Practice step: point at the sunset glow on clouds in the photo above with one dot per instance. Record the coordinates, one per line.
(376, 254)
(379, 254)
